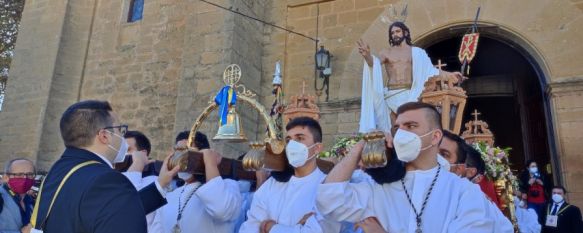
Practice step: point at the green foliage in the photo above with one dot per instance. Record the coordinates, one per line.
(10, 15)
(341, 147)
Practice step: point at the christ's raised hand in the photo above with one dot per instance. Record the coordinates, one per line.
(364, 50)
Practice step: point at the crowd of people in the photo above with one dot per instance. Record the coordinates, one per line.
(443, 186)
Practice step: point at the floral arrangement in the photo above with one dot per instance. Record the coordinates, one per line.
(341, 147)
(497, 163)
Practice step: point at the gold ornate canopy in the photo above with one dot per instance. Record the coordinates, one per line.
(477, 131)
(268, 153)
(231, 77)
(272, 146)
(301, 105)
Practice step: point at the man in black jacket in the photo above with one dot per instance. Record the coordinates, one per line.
(560, 216)
(94, 198)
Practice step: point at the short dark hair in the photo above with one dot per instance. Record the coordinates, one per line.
(200, 140)
(82, 121)
(181, 136)
(528, 162)
(560, 187)
(142, 142)
(474, 159)
(313, 126)
(432, 115)
(461, 152)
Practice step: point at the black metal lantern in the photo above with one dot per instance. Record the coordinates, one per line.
(322, 58)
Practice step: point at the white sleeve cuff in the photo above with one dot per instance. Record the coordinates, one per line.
(160, 189)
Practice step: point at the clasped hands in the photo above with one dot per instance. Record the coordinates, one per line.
(266, 225)
(370, 225)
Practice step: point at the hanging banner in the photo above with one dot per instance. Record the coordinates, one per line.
(468, 47)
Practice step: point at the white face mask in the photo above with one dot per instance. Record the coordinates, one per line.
(557, 198)
(443, 163)
(408, 145)
(533, 170)
(297, 153)
(121, 152)
(184, 176)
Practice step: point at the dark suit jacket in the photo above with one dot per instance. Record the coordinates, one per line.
(95, 198)
(569, 220)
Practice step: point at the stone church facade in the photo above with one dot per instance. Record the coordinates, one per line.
(160, 72)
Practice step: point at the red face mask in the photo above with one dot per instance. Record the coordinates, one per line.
(20, 185)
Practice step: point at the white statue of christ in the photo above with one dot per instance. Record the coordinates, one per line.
(408, 68)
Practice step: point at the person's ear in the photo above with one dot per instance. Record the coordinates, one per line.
(318, 147)
(436, 138)
(103, 136)
(471, 172)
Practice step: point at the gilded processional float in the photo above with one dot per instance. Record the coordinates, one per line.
(446, 94)
(267, 154)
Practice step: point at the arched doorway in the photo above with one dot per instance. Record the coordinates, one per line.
(506, 86)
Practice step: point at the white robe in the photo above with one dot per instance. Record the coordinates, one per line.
(375, 112)
(455, 204)
(527, 219)
(286, 203)
(213, 208)
(502, 223)
(139, 183)
(247, 197)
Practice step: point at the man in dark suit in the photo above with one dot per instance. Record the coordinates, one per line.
(560, 216)
(95, 198)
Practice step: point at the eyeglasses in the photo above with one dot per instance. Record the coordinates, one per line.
(123, 129)
(29, 175)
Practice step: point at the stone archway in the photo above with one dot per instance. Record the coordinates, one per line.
(508, 84)
(545, 41)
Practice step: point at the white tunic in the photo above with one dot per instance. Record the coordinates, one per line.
(526, 218)
(501, 222)
(286, 203)
(213, 208)
(455, 204)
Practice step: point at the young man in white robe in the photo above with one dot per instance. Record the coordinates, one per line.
(427, 199)
(286, 202)
(211, 207)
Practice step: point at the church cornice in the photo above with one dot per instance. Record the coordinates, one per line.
(565, 85)
(344, 105)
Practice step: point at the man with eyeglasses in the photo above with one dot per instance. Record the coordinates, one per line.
(82, 192)
(15, 204)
